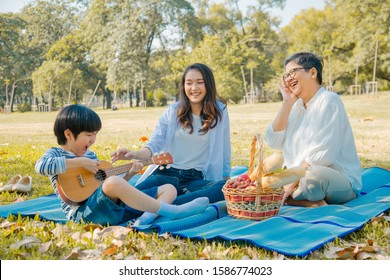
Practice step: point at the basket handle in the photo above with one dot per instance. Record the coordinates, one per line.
(257, 139)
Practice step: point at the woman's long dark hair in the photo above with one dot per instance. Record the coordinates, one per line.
(210, 114)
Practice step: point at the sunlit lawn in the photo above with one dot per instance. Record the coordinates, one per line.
(25, 136)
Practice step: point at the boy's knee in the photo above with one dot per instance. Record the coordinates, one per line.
(112, 182)
(169, 188)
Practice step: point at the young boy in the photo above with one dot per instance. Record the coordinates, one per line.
(115, 201)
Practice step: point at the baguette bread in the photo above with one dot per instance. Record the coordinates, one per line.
(285, 177)
(270, 165)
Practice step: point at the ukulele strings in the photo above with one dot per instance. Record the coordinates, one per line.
(102, 174)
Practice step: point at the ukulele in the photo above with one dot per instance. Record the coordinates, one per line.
(78, 184)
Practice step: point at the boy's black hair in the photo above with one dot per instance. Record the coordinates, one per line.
(76, 118)
(307, 60)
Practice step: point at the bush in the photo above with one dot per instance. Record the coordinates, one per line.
(149, 99)
(24, 107)
(161, 98)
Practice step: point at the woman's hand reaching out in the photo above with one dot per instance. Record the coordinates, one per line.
(123, 154)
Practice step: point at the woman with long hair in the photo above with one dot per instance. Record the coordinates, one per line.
(196, 132)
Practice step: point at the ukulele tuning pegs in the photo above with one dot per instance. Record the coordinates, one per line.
(161, 167)
(168, 166)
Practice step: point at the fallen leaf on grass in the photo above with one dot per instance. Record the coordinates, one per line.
(249, 252)
(119, 256)
(148, 256)
(61, 229)
(165, 235)
(353, 252)
(363, 256)
(205, 254)
(111, 250)
(378, 219)
(277, 256)
(368, 118)
(81, 237)
(44, 247)
(92, 227)
(143, 139)
(91, 254)
(16, 228)
(72, 256)
(116, 232)
(27, 241)
(6, 224)
(346, 254)
(19, 199)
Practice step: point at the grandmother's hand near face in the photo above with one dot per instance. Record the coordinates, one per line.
(288, 95)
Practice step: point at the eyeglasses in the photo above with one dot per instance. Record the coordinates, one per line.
(292, 72)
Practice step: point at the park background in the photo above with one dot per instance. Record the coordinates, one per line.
(131, 54)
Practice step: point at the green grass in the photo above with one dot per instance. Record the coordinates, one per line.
(24, 137)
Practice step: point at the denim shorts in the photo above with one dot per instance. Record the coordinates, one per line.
(184, 180)
(189, 184)
(100, 209)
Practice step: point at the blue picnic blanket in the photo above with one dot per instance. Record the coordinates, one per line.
(296, 231)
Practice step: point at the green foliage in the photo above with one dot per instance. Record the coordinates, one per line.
(161, 98)
(345, 34)
(149, 99)
(59, 50)
(24, 107)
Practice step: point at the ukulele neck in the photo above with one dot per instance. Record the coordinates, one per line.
(119, 169)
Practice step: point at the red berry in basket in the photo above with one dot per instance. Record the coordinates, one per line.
(244, 177)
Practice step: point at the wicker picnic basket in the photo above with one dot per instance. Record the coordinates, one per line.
(253, 202)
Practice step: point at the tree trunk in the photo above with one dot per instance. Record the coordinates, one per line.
(137, 97)
(70, 89)
(108, 97)
(6, 94)
(130, 94)
(11, 102)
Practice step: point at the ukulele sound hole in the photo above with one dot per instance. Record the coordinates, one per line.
(101, 175)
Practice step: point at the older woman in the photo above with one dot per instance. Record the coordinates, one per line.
(313, 130)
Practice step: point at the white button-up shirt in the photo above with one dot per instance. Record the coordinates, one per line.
(319, 134)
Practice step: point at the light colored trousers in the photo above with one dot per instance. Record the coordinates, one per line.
(324, 183)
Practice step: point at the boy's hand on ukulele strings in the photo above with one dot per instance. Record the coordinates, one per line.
(90, 165)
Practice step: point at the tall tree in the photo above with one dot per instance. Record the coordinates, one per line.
(16, 57)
